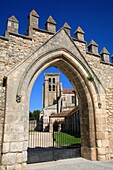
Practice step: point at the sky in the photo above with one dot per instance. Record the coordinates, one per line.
(94, 16)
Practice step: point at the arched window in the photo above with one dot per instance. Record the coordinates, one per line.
(49, 87)
(53, 87)
(53, 80)
(49, 80)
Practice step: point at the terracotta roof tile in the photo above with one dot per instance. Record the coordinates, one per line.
(64, 113)
(68, 91)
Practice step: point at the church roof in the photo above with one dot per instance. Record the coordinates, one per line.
(68, 91)
(64, 113)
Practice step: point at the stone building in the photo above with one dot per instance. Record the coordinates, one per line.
(67, 121)
(55, 98)
(24, 57)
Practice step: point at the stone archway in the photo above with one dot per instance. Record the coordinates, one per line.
(19, 85)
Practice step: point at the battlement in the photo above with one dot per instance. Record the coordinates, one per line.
(50, 29)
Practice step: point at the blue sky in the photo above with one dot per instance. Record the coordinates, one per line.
(94, 16)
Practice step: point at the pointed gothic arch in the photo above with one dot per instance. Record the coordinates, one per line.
(20, 81)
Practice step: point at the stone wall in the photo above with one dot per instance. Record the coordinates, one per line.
(104, 72)
(14, 49)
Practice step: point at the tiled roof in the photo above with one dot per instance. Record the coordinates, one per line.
(64, 113)
(68, 91)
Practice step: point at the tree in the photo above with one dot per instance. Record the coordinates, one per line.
(31, 116)
(34, 115)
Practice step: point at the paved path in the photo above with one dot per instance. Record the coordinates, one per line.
(73, 164)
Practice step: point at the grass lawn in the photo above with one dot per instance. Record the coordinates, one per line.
(64, 139)
(33, 131)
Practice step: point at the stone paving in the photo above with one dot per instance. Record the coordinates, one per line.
(73, 164)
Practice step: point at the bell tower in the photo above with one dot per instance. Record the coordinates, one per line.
(51, 89)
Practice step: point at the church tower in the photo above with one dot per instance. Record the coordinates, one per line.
(51, 89)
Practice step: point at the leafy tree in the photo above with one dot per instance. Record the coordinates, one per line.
(31, 116)
(34, 115)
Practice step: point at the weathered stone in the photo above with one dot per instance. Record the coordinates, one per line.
(12, 167)
(25, 145)
(6, 147)
(24, 154)
(16, 146)
(19, 157)
(99, 143)
(101, 151)
(101, 158)
(100, 135)
(18, 166)
(9, 159)
(105, 143)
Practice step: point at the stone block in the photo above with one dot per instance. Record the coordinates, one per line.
(14, 128)
(100, 135)
(12, 167)
(0, 137)
(2, 168)
(15, 137)
(25, 145)
(101, 158)
(19, 157)
(24, 166)
(99, 143)
(105, 143)
(15, 167)
(9, 159)
(108, 156)
(5, 147)
(11, 118)
(16, 146)
(18, 166)
(101, 151)
(24, 156)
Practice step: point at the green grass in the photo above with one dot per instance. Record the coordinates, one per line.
(64, 139)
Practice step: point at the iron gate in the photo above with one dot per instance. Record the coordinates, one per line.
(52, 141)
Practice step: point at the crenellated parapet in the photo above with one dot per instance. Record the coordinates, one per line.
(51, 29)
